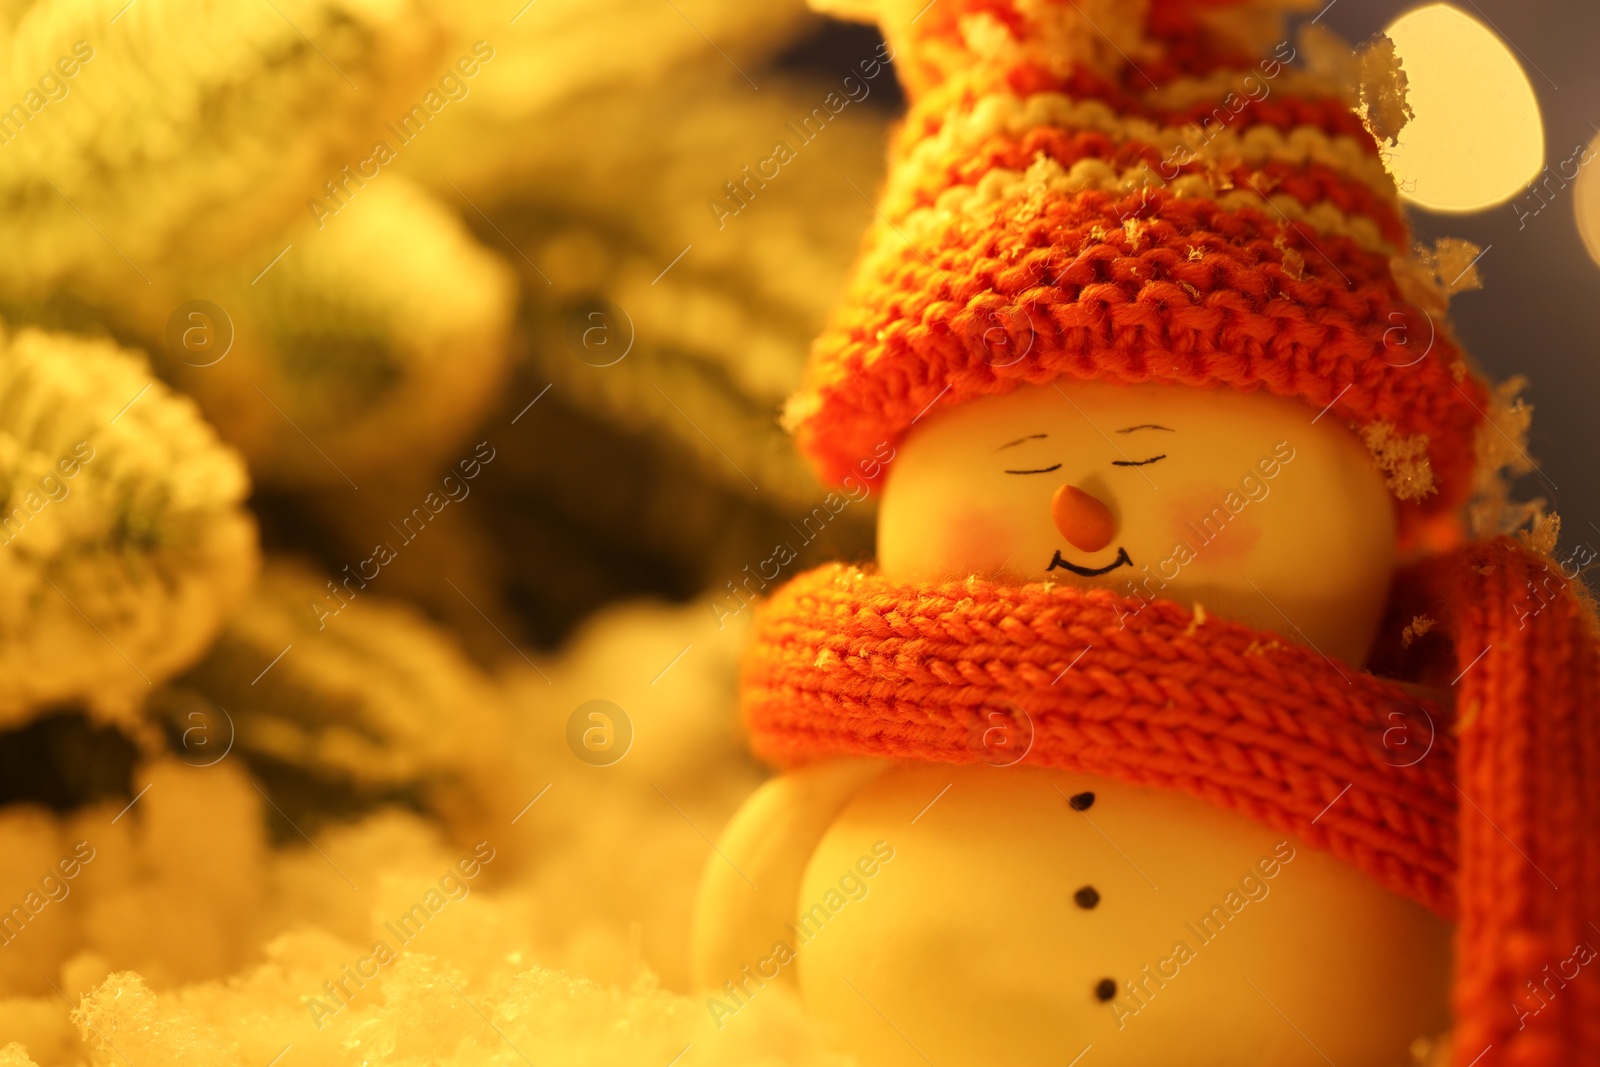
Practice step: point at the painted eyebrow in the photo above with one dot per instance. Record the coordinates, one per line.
(1147, 426)
(1020, 440)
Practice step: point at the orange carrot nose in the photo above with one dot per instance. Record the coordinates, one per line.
(1083, 520)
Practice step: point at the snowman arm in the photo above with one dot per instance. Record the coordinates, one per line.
(751, 885)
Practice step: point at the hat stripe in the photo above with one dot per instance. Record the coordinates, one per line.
(1050, 162)
(1140, 45)
(1196, 247)
(1212, 90)
(1002, 190)
(963, 131)
(1322, 108)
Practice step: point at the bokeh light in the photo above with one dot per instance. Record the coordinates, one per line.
(1477, 138)
(1586, 201)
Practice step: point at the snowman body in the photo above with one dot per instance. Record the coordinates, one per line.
(1004, 913)
(1028, 916)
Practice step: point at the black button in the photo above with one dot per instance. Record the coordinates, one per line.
(1087, 897)
(1105, 989)
(1081, 801)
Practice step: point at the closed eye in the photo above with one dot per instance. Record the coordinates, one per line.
(1040, 470)
(1138, 462)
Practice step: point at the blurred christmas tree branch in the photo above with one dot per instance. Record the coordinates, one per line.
(278, 276)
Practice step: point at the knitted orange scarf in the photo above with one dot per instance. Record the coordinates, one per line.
(844, 662)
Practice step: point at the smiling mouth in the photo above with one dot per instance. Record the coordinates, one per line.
(1090, 572)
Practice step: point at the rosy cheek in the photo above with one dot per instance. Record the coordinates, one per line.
(1236, 542)
(1202, 520)
(976, 541)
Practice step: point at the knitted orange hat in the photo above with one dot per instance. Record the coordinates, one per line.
(1141, 191)
(1146, 191)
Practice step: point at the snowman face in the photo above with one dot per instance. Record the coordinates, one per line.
(1256, 507)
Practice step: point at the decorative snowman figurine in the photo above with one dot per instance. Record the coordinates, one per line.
(1088, 764)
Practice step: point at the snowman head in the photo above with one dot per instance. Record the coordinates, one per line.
(1058, 264)
(1251, 505)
